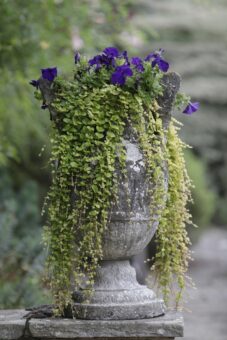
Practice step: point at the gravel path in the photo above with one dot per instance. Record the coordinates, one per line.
(208, 303)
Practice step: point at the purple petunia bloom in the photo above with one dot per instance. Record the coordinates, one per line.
(96, 60)
(107, 58)
(154, 54)
(77, 57)
(120, 75)
(157, 59)
(138, 63)
(49, 73)
(111, 52)
(34, 83)
(191, 107)
(161, 63)
(100, 60)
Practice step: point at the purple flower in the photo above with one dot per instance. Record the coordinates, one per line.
(77, 57)
(100, 60)
(138, 63)
(107, 58)
(162, 64)
(111, 52)
(158, 60)
(34, 83)
(96, 60)
(120, 74)
(191, 107)
(49, 73)
(154, 54)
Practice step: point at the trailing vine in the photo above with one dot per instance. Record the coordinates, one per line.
(173, 254)
(90, 113)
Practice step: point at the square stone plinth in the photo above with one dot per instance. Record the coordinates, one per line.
(14, 327)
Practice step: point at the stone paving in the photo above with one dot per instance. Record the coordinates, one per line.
(208, 303)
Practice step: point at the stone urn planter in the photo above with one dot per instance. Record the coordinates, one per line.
(117, 294)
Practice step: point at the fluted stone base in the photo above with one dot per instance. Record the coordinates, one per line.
(117, 296)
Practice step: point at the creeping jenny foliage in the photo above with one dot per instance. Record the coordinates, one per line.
(86, 148)
(172, 256)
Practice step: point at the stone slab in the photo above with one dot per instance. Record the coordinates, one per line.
(150, 338)
(12, 326)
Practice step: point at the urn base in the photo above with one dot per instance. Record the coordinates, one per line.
(117, 296)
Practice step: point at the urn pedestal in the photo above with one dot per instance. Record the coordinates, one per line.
(117, 294)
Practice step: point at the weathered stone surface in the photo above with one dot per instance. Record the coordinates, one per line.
(150, 338)
(118, 295)
(162, 326)
(12, 327)
(147, 338)
(171, 85)
(11, 324)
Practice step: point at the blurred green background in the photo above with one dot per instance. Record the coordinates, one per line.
(45, 33)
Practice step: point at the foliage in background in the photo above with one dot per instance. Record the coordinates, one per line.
(21, 255)
(204, 199)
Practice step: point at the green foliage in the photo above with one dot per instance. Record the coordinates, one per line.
(91, 129)
(181, 100)
(21, 255)
(204, 198)
(172, 256)
(91, 116)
